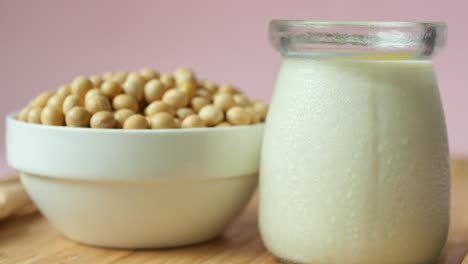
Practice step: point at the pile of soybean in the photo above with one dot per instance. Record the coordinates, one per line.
(144, 100)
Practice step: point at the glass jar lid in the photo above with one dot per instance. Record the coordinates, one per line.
(358, 40)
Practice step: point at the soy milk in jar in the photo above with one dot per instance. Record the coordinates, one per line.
(355, 163)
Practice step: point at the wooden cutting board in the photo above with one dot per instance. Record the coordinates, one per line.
(30, 239)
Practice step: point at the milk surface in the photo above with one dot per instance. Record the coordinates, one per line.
(355, 164)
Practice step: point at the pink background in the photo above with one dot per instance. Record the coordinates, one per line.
(44, 44)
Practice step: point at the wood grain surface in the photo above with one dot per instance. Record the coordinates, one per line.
(30, 239)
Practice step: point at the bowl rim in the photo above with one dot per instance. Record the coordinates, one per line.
(11, 118)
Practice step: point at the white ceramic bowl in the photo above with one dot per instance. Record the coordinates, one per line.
(136, 189)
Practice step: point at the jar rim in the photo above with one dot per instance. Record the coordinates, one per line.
(368, 23)
(410, 40)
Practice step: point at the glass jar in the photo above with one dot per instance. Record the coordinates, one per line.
(355, 160)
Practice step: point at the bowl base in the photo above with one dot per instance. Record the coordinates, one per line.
(140, 215)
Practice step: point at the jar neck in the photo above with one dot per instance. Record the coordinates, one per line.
(358, 40)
